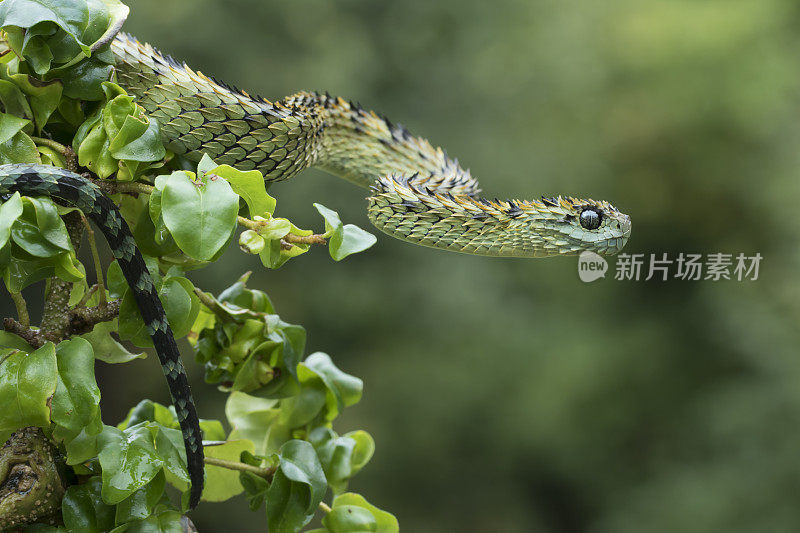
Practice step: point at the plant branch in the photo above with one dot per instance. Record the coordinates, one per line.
(266, 473)
(98, 269)
(131, 187)
(304, 239)
(56, 319)
(32, 336)
(291, 238)
(67, 152)
(22, 309)
(83, 319)
(86, 296)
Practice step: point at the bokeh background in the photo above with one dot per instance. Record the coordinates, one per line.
(506, 395)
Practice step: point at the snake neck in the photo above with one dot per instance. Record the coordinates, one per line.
(362, 146)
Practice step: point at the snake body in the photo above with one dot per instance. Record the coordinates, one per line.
(418, 193)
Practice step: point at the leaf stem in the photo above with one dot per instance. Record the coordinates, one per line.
(251, 224)
(304, 239)
(66, 151)
(133, 187)
(266, 473)
(86, 296)
(98, 269)
(22, 309)
(255, 225)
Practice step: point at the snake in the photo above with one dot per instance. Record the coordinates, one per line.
(417, 192)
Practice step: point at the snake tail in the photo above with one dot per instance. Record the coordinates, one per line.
(71, 188)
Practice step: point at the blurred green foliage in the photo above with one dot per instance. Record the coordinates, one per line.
(506, 395)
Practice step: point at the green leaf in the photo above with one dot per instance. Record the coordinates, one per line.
(200, 216)
(343, 240)
(252, 418)
(129, 461)
(169, 444)
(84, 23)
(12, 98)
(212, 430)
(297, 488)
(83, 446)
(50, 225)
(106, 347)
(43, 97)
(118, 138)
(10, 340)
(350, 519)
(20, 273)
(180, 303)
(15, 145)
(240, 296)
(251, 242)
(140, 504)
(354, 240)
(82, 80)
(341, 457)
(83, 509)
(343, 390)
(76, 402)
(10, 211)
(223, 483)
(385, 522)
(149, 411)
(250, 186)
(163, 520)
(27, 381)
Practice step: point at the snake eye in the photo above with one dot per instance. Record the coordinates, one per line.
(590, 218)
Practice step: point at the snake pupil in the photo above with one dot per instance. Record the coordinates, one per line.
(590, 218)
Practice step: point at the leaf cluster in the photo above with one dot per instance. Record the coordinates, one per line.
(59, 105)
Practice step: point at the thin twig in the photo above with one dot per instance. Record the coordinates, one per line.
(98, 269)
(304, 239)
(86, 296)
(132, 187)
(22, 309)
(67, 152)
(266, 473)
(256, 225)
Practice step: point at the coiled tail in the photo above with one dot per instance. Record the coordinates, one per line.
(71, 188)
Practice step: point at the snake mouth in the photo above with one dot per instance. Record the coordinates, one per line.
(625, 226)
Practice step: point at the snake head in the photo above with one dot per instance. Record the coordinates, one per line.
(573, 225)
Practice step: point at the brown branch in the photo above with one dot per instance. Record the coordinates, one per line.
(79, 320)
(83, 319)
(304, 239)
(32, 336)
(289, 238)
(55, 320)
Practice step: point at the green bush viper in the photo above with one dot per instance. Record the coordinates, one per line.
(418, 193)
